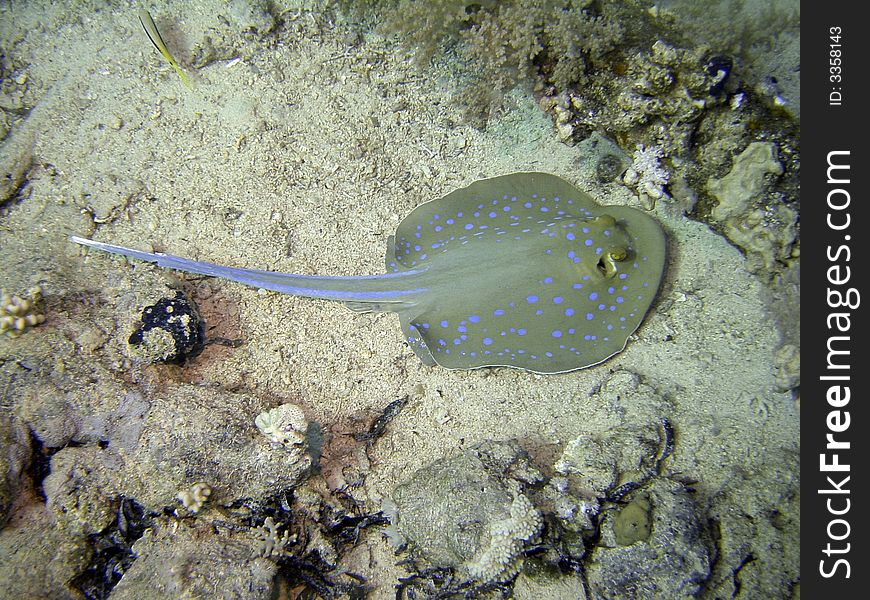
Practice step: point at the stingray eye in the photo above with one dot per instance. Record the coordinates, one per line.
(618, 254)
(607, 263)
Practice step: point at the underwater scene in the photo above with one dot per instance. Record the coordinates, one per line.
(400, 299)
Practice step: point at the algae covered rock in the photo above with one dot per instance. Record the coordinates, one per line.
(15, 454)
(81, 489)
(656, 546)
(165, 448)
(765, 229)
(470, 513)
(196, 561)
(626, 450)
(548, 584)
(182, 438)
(744, 184)
(39, 559)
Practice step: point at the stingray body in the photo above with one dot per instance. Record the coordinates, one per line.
(522, 270)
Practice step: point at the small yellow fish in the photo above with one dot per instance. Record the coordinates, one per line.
(157, 40)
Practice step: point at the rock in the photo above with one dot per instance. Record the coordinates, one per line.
(470, 513)
(608, 167)
(764, 229)
(39, 559)
(548, 584)
(15, 456)
(50, 413)
(761, 522)
(155, 452)
(177, 449)
(172, 331)
(744, 184)
(592, 460)
(196, 561)
(80, 489)
(788, 367)
(669, 555)
(58, 417)
(598, 461)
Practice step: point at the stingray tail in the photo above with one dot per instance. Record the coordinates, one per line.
(392, 291)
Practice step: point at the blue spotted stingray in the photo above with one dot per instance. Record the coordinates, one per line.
(522, 270)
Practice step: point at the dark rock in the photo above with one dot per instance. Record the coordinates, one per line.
(172, 330)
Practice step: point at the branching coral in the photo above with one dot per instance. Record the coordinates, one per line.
(196, 497)
(273, 542)
(572, 38)
(501, 558)
(648, 174)
(18, 314)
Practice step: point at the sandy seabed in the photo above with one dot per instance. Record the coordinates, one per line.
(302, 154)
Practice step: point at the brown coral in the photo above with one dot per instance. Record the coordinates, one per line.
(507, 42)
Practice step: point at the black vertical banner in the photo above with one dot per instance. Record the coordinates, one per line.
(835, 226)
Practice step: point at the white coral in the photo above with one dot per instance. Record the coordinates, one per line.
(285, 425)
(647, 174)
(501, 559)
(194, 498)
(273, 542)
